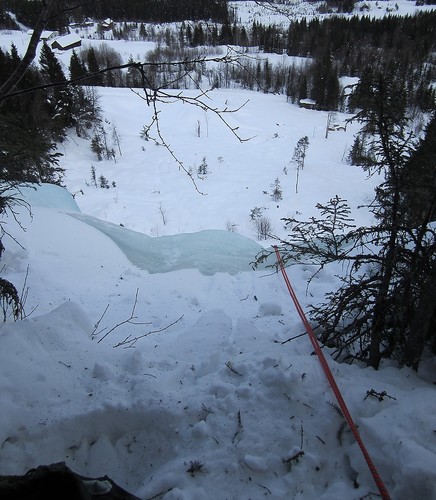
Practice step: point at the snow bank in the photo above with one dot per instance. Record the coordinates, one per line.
(49, 196)
(214, 411)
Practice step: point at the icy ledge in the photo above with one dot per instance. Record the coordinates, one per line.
(210, 251)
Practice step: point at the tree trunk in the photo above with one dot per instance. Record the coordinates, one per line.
(422, 326)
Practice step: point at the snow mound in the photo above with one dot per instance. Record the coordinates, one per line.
(215, 406)
(48, 196)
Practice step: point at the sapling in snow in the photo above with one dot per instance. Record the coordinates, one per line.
(277, 193)
(299, 156)
(203, 168)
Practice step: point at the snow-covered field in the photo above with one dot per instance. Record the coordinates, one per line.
(208, 402)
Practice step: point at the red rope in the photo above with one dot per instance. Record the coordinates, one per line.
(322, 359)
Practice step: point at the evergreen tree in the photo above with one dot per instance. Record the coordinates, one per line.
(93, 176)
(203, 168)
(386, 306)
(226, 35)
(27, 154)
(134, 76)
(85, 109)
(27, 131)
(58, 99)
(50, 66)
(300, 152)
(277, 193)
(325, 84)
(77, 68)
(97, 145)
(420, 179)
(198, 36)
(142, 32)
(356, 155)
(299, 157)
(93, 68)
(302, 89)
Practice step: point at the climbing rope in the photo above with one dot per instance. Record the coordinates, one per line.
(322, 359)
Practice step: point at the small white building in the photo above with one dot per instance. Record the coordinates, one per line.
(107, 24)
(307, 103)
(67, 42)
(45, 35)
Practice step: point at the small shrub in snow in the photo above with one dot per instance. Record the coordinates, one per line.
(195, 466)
(256, 212)
(203, 168)
(103, 182)
(93, 176)
(263, 227)
(231, 227)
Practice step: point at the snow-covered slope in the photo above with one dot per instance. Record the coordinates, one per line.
(209, 383)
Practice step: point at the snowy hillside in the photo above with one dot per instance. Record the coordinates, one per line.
(151, 351)
(248, 11)
(208, 403)
(239, 175)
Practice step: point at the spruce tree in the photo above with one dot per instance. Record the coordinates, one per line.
(59, 99)
(300, 152)
(134, 76)
(277, 193)
(77, 68)
(420, 179)
(93, 68)
(386, 305)
(50, 66)
(27, 131)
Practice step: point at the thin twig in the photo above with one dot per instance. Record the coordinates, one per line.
(301, 437)
(93, 334)
(292, 338)
(160, 494)
(230, 367)
(129, 320)
(128, 342)
(239, 429)
(265, 488)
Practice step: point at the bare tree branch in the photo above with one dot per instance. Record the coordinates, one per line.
(129, 320)
(29, 56)
(129, 342)
(44, 17)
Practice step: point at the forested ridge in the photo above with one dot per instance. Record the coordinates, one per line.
(120, 10)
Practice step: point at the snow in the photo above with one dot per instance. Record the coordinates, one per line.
(210, 381)
(248, 11)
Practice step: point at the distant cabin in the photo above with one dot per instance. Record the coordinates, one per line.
(86, 23)
(107, 24)
(45, 35)
(67, 42)
(307, 103)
